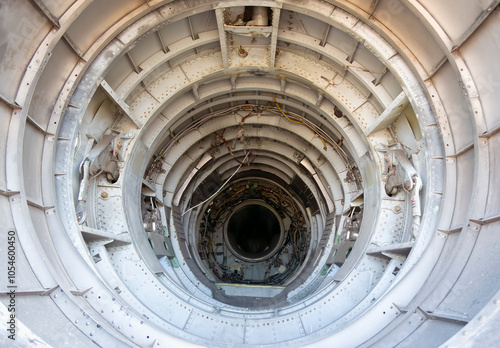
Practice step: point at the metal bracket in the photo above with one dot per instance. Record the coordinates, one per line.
(402, 173)
(104, 157)
(399, 169)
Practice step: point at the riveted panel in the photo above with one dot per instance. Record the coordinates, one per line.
(32, 162)
(493, 196)
(469, 294)
(52, 80)
(214, 327)
(485, 39)
(120, 71)
(263, 332)
(398, 18)
(28, 313)
(456, 17)
(432, 332)
(465, 174)
(144, 49)
(452, 92)
(5, 114)
(23, 28)
(364, 278)
(96, 19)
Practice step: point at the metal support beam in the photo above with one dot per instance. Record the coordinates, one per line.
(454, 230)
(163, 46)
(362, 104)
(219, 13)
(437, 67)
(45, 10)
(482, 17)
(31, 292)
(283, 84)
(112, 239)
(233, 81)
(8, 193)
(31, 120)
(195, 91)
(274, 37)
(373, 7)
(350, 57)
(343, 72)
(320, 98)
(462, 320)
(73, 46)
(398, 251)
(134, 65)
(194, 35)
(376, 82)
(325, 35)
(120, 103)
(390, 114)
(10, 103)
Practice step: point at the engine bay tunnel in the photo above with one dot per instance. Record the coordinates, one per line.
(250, 173)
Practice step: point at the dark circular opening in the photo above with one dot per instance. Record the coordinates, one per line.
(253, 232)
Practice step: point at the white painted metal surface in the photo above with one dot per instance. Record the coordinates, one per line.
(299, 93)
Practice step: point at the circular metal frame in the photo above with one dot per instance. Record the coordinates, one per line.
(106, 285)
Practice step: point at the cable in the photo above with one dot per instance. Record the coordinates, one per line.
(245, 117)
(299, 122)
(274, 98)
(198, 123)
(320, 132)
(220, 189)
(231, 152)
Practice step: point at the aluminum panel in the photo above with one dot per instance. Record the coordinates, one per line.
(5, 114)
(56, 7)
(483, 67)
(25, 279)
(398, 18)
(465, 178)
(98, 308)
(432, 333)
(28, 309)
(493, 201)
(53, 78)
(470, 293)
(455, 105)
(22, 29)
(456, 17)
(96, 19)
(34, 141)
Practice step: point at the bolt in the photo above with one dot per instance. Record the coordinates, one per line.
(242, 53)
(119, 144)
(104, 195)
